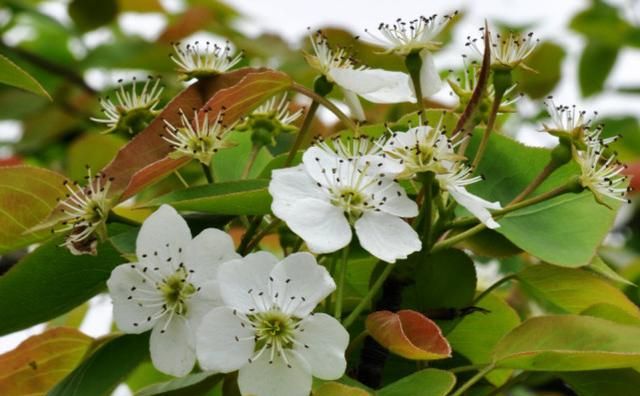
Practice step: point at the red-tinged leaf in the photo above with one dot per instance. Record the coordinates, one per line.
(408, 334)
(152, 173)
(41, 361)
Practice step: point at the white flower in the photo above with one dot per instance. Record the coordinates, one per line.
(455, 180)
(405, 37)
(171, 287)
(196, 62)
(84, 213)
(507, 52)
(199, 138)
(277, 109)
(321, 199)
(603, 176)
(565, 119)
(132, 111)
(267, 330)
(374, 85)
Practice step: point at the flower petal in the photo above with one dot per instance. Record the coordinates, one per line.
(201, 303)
(244, 283)
(387, 237)
(353, 103)
(397, 202)
(129, 315)
(173, 351)
(322, 226)
(217, 346)
(476, 205)
(165, 232)
(204, 254)
(276, 379)
(300, 284)
(324, 342)
(430, 81)
(376, 85)
(289, 185)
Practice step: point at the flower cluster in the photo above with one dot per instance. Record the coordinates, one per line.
(202, 301)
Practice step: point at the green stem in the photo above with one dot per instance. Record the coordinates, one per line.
(342, 276)
(447, 243)
(206, 169)
(413, 63)
(471, 367)
(473, 380)
(306, 125)
(535, 183)
(179, 176)
(492, 288)
(487, 132)
(248, 235)
(353, 316)
(265, 231)
(326, 103)
(255, 150)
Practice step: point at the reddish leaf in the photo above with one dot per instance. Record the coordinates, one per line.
(409, 334)
(634, 173)
(152, 173)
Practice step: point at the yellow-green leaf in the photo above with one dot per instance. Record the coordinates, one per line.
(12, 74)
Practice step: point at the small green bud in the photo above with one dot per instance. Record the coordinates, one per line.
(413, 63)
(561, 154)
(322, 86)
(502, 80)
(262, 137)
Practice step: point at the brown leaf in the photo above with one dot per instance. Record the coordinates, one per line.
(151, 173)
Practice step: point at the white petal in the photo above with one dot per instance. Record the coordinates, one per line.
(353, 103)
(322, 226)
(430, 81)
(217, 347)
(300, 284)
(128, 314)
(164, 226)
(316, 161)
(201, 303)
(397, 202)
(204, 254)
(173, 351)
(289, 185)
(263, 379)
(476, 205)
(376, 85)
(244, 283)
(387, 237)
(324, 342)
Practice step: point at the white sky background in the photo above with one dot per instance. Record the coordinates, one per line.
(290, 18)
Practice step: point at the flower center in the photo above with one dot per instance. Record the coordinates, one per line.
(352, 201)
(177, 291)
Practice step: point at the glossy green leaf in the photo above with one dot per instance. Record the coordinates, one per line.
(242, 197)
(598, 265)
(541, 229)
(12, 74)
(338, 389)
(51, 281)
(572, 290)
(623, 382)
(89, 14)
(192, 385)
(429, 382)
(569, 343)
(27, 196)
(107, 367)
(612, 313)
(229, 164)
(596, 62)
(478, 333)
(546, 59)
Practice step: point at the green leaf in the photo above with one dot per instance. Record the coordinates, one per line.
(599, 266)
(572, 290)
(623, 382)
(602, 22)
(12, 74)
(541, 229)
(546, 59)
(27, 196)
(478, 333)
(51, 281)
(429, 382)
(612, 313)
(569, 343)
(244, 197)
(192, 385)
(90, 15)
(91, 150)
(596, 63)
(338, 389)
(107, 367)
(229, 164)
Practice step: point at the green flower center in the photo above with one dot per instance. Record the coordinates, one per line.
(177, 291)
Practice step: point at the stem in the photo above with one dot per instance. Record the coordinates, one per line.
(342, 275)
(427, 209)
(254, 242)
(473, 380)
(514, 380)
(246, 238)
(255, 150)
(492, 288)
(179, 176)
(306, 124)
(367, 299)
(206, 169)
(447, 243)
(471, 367)
(487, 132)
(326, 103)
(355, 342)
(535, 183)
(413, 62)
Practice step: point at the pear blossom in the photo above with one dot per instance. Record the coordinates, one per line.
(131, 111)
(278, 109)
(199, 138)
(266, 328)
(84, 213)
(269, 120)
(374, 85)
(405, 37)
(198, 62)
(170, 288)
(507, 51)
(323, 198)
(602, 175)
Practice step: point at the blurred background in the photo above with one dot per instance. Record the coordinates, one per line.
(589, 55)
